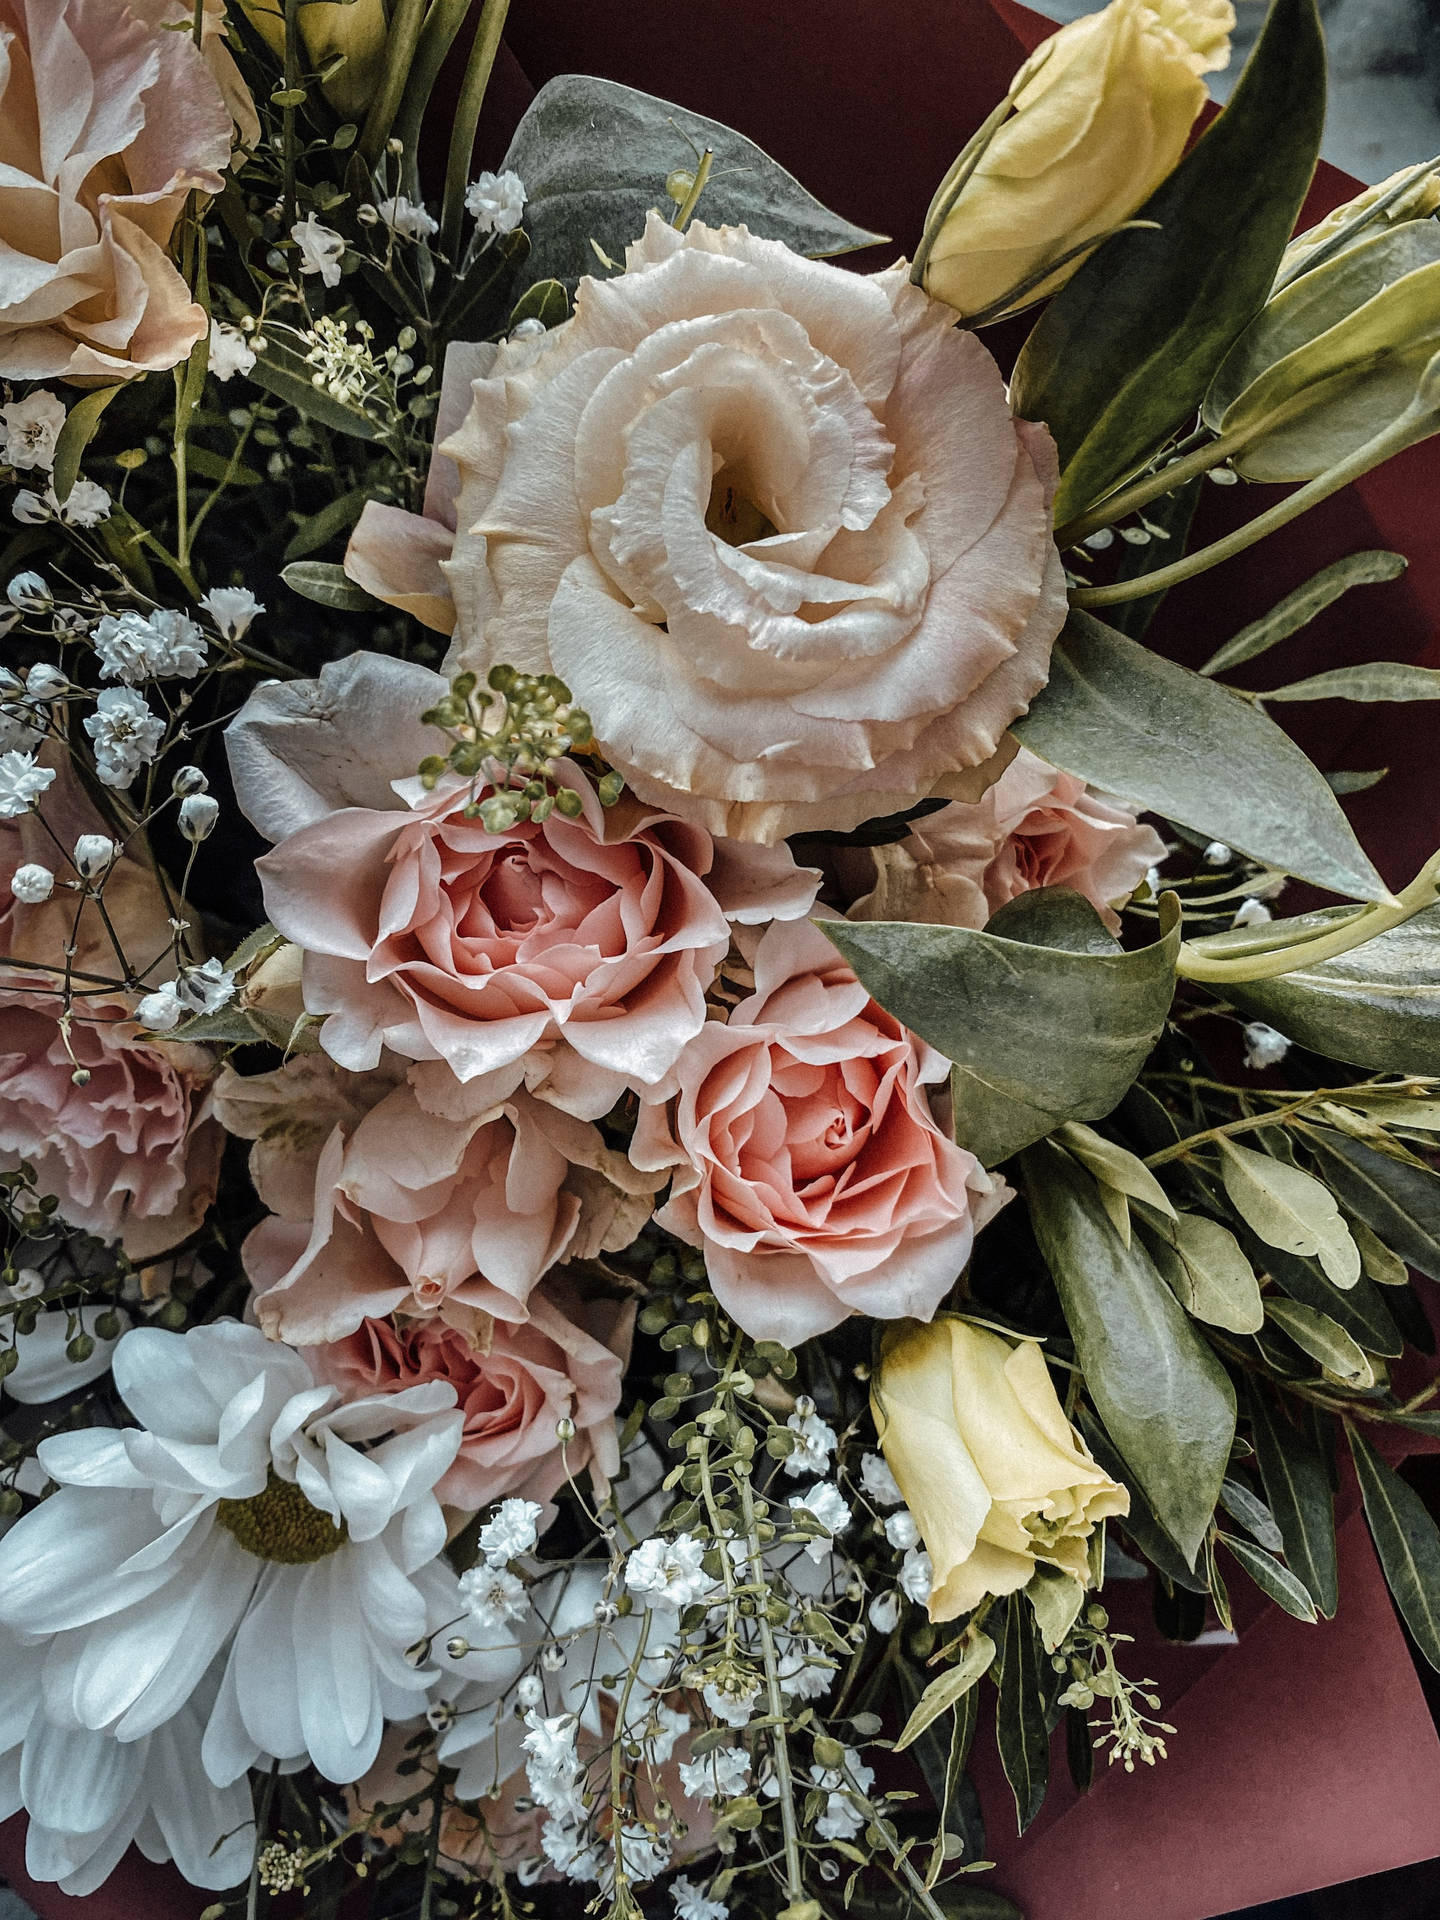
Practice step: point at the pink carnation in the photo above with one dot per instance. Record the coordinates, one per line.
(513, 1384)
(809, 1165)
(1036, 827)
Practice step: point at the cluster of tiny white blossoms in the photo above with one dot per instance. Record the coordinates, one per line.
(29, 435)
(916, 1575)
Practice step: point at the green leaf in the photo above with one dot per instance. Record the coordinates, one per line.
(1039, 1033)
(1169, 741)
(287, 376)
(1401, 1203)
(595, 157)
(334, 518)
(1273, 1578)
(1381, 1265)
(1055, 1599)
(1165, 1399)
(1407, 1544)
(1325, 1342)
(1115, 1166)
(1376, 680)
(1377, 1006)
(1022, 1731)
(1205, 1267)
(1360, 1310)
(1140, 1523)
(947, 1688)
(546, 301)
(232, 1026)
(1354, 779)
(1299, 608)
(75, 436)
(1253, 1515)
(1298, 1491)
(327, 583)
(1125, 351)
(1290, 1209)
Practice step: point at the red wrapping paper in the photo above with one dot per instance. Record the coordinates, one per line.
(1305, 1755)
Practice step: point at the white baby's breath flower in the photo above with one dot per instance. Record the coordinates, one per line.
(816, 1443)
(1252, 913)
(723, 1773)
(32, 884)
(161, 1010)
(133, 647)
(645, 1852)
(668, 1573)
(879, 1482)
(321, 249)
(661, 1727)
(197, 816)
(29, 593)
(841, 1818)
(885, 1612)
(917, 1575)
(1264, 1047)
(44, 682)
(94, 854)
(406, 218)
(901, 1530)
(232, 609)
(824, 1503)
(30, 429)
(230, 351)
(21, 783)
(496, 201)
(86, 505)
(126, 735)
(734, 1701)
(494, 1596)
(693, 1903)
(205, 989)
(511, 1532)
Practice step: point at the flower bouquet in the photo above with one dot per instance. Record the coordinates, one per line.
(641, 1029)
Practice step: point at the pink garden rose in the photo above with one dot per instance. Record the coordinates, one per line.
(587, 945)
(1036, 827)
(441, 1199)
(808, 1164)
(112, 116)
(771, 521)
(513, 1381)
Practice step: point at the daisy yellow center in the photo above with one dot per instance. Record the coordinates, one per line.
(280, 1524)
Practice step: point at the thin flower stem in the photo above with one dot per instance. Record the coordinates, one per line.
(467, 119)
(1183, 1149)
(400, 43)
(1141, 492)
(780, 1751)
(432, 1852)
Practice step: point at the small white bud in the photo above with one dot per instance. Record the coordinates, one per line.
(1264, 1047)
(198, 814)
(189, 780)
(552, 1659)
(530, 1690)
(1217, 854)
(527, 329)
(45, 683)
(94, 855)
(161, 1010)
(32, 883)
(29, 593)
(26, 1284)
(1252, 913)
(885, 1612)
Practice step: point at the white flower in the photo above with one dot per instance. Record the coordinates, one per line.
(842, 1819)
(721, 1775)
(94, 854)
(44, 682)
(552, 1764)
(205, 989)
(668, 1573)
(197, 816)
(496, 201)
(816, 1444)
(230, 353)
(572, 1851)
(189, 780)
(254, 1518)
(1217, 854)
(320, 249)
(232, 609)
(29, 593)
(733, 1702)
(823, 1503)
(511, 1532)
(126, 734)
(494, 1596)
(132, 647)
(530, 1691)
(879, 1482)
(406, 219)
(31, 428)
(86, 505)
(21, 783)
(32, 883)
(693, 1903)
(805, 1673)
(644, 1852)
(917, 1576)
(1252, 913)
(901, 1530)
(161, 1010)
(1264, 1047)
(885, 1612)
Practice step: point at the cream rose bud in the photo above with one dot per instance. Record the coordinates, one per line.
(996, 1477)
(1103, 109)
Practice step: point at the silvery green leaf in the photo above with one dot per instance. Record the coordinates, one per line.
(1205, 1267)
(1401, 1203)
(1115, 1166)
(1296, 1479)
(1382, 1266)
(976, 1657)
(1375, 680)
(1171, 742)
(328, 584)
(1299, 608)
(1406, 1542)
(1325, 1342)
(1274, 1579)
(595, 156)
(1290, 1209)
(1253, 1515)
(1056, 1599)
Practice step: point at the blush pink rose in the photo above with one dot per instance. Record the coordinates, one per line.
(112, 116)
(586, 944)
(441, 1199)
(513, 1384)
(1036, 827)
(808, 1164)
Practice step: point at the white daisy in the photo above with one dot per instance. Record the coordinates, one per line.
(254, 1515)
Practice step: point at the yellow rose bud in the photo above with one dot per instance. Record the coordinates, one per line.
(997, 1479)
(1103, 109)
(328, 27)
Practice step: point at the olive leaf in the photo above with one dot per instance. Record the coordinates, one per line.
(1406, 1543)
(1205, 1267)
(1290, 1209)
(1319, 1336)
(1115, 1166)
(1297, 1486)
(1022, 1730)
(1360, 1309)
(1253, 1515)
(81, 425)
(595, 157)
(1166, 1400)
(1274, 1579)
(1401, 1203)
(1171, 742)
(947, 1688)
(1382, 1266)
(1299, 608)
(1039, 1032)
(327, 584)
(1375, 680)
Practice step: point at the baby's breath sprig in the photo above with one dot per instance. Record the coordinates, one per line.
(518, 750)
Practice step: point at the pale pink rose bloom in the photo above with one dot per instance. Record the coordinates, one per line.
(1036, 827)
(513, 1384)
(770, 521)
(808, 1164)
(110, 119)
(440, 1199)
(584, 947)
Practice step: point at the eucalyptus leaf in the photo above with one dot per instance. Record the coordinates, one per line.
(1125, 351)
(1274, 1579)
(1374, 681)
(1360, 1310)
(1169, 741)
(1140, 1523)
(595, 156)
(1290, 1209)
(1325, 1342)
(947, 1688)
(1022, 1730)
(1253, 1515)
(328, 584)
(1298, 1491)
(1406, 1543)
(1165, 1399)
(1401, 1203)
(1205, 1267)
(1299, 608)
(75, 436)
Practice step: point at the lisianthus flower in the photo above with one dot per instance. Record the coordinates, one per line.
(251, 1515)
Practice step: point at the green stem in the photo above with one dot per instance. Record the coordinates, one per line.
(1141, 492)
(697, 187)
(262, 1820)
(287, 118)
(432, 1855)
(400, 43)
(467, 119)
(1347, 230)
(779, 1750)
(445, 19)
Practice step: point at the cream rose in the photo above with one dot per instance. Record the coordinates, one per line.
(770, 521)
(996, 1477)
(1102, 112)
(111, 118)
